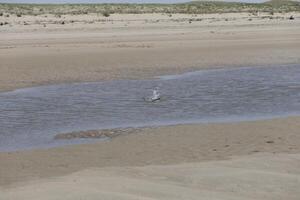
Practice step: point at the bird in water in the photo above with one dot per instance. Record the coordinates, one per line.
(155, 96)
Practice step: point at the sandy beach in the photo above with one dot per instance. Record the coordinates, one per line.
(246, 160)
(139, 46)
(261, 161)
(262, 176)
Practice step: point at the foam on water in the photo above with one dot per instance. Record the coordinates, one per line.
(29, 118)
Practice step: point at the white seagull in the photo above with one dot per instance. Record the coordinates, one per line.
(155, 95)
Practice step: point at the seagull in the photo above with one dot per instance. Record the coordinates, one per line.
(155, 95)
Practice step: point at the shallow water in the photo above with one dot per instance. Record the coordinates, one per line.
(29, 118)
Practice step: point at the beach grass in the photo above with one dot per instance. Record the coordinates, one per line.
(194, 7)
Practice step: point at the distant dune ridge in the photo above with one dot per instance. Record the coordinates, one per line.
(193, 7)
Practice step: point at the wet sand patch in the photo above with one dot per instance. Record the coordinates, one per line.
(105, 134)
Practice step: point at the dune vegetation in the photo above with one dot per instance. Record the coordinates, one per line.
(193, 7)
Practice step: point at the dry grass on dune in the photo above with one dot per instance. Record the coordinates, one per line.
(194, 7)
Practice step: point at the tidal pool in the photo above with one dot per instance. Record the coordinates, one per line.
(30, 118)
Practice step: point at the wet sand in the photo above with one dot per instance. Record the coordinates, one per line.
(261, 158)
(139, 46)
(156, 146)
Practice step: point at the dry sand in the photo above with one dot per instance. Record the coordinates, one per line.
(260, 159)
(260, 177)
(138, 46)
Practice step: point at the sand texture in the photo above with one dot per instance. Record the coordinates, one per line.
(156, 146)
(139, 46)
(261, 177)
(247, 160)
